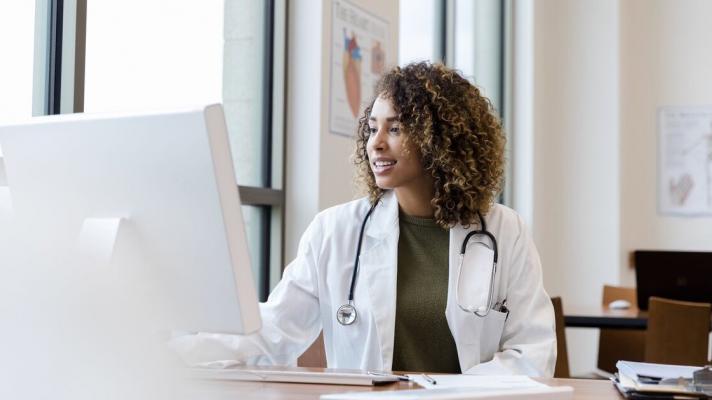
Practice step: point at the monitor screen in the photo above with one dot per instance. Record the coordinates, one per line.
(675, 275)
(148, 202)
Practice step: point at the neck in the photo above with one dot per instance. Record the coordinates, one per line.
(416, 201)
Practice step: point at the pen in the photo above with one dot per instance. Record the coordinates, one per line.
(430, 379)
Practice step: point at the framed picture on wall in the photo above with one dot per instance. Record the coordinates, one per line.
(358, 59)
(685, 161)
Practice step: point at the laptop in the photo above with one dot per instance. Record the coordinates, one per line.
(676, 275)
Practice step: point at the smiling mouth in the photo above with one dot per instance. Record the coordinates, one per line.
(381, 167)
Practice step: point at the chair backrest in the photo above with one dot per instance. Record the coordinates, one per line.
(611, 293)
(678, 332)
(315, 356)
(619, 344)
(561, 370)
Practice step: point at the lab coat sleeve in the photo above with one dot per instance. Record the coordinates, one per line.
(528, 342)
(290, 318)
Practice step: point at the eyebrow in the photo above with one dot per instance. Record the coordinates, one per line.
(389, 119)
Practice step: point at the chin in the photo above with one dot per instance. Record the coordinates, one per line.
(384, 185)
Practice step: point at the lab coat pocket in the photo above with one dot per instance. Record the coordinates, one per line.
(493, 326)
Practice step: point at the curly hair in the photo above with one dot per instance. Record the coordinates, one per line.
(456, 132)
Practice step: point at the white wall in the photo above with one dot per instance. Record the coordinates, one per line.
(319, 171)
(601, 70)
(666, 60)
(576, 185)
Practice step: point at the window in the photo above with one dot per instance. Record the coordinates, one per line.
(421, 31)
(160, 54)
(17, 34)
(476, 44)
(468, 35)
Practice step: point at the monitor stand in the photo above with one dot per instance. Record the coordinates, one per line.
(97, 239)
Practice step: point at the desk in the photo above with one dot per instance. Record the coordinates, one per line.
(584, 389)
(604, 317)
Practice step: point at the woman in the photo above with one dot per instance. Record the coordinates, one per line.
(430, 152)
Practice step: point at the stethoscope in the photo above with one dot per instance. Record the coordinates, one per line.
(346, 314)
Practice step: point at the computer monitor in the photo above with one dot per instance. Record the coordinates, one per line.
(677, 275)
(150, 200)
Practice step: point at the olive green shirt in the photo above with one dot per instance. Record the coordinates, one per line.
(423, 341)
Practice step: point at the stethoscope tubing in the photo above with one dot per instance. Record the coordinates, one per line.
(358, 252)
(463, 248)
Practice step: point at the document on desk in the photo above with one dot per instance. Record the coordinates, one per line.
(461, 393)
(479, 381)
(647, 378)
(453, 387)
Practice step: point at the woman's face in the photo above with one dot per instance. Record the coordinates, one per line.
(392, 166)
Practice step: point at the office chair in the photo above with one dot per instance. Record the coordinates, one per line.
(561, 370)
(619, 344)
(314, 356)
(678, 332)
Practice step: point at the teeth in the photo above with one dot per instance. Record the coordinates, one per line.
(384, 163)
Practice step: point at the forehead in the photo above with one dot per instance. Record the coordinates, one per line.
(382, 110)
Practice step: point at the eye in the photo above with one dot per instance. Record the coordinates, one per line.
(395, 129)
(372, 130)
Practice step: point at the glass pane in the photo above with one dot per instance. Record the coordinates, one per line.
(153, 54)
(243, 86)
(419, 31)
(478, 45)
(204, 52)
(17, 29)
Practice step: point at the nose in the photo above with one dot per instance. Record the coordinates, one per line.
(377, 141)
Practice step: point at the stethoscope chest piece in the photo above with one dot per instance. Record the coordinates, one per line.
(346, 315)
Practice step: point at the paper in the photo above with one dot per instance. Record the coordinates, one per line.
(656, 370)
(485, 382)
(631, 374)
(462, 393)
(685, 161)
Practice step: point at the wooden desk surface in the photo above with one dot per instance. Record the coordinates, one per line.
(604, 317)
(584, 389)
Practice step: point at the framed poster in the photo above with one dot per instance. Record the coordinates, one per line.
(358, 59)
(685, 161)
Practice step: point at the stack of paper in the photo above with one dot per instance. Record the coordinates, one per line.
(636, 380)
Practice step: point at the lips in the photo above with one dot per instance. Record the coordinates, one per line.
(381, 166)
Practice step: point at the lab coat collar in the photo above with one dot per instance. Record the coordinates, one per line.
(384, 220)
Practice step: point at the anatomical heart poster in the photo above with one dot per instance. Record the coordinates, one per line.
(358, 59)
(685, 160)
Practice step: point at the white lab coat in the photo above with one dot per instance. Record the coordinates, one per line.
(317, 282)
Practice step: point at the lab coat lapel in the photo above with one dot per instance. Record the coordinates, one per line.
(467, 351)
(379, 271)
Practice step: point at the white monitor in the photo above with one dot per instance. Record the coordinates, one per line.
(150, 200)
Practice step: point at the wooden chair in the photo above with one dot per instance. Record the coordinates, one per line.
(561, 370)
(678, 332)
(315, 356)
(619, 344)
